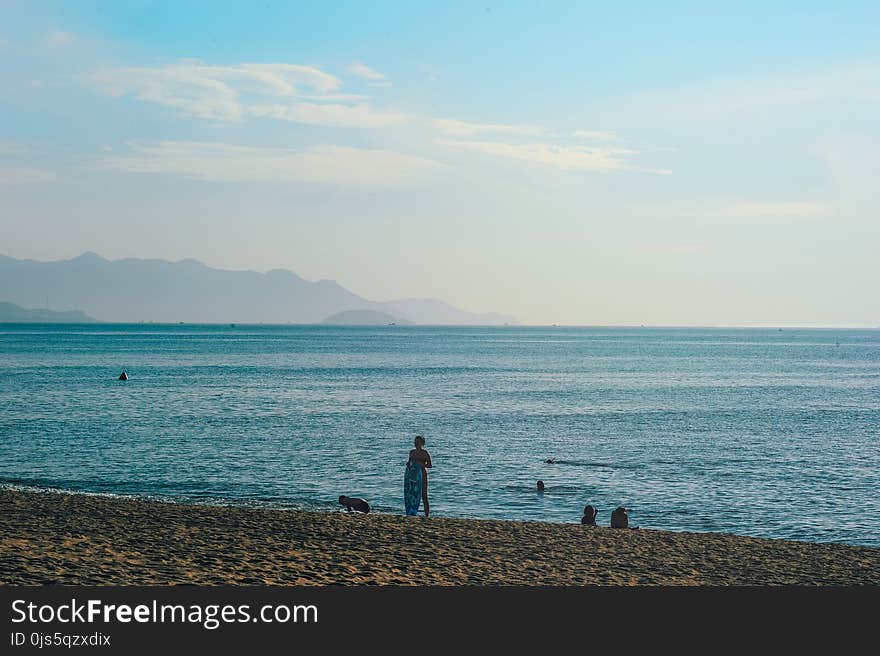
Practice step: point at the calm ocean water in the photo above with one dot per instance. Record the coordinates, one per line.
(757, 432)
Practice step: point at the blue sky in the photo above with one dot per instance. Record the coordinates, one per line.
(585, 163)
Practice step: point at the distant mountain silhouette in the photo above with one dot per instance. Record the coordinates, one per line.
(364, 318)
(430, 311)
(11, 313)
(132, 290)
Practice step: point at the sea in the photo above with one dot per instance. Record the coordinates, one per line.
(761, 432)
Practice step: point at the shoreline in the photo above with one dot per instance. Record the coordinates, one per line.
(257, 504)
(91, 539)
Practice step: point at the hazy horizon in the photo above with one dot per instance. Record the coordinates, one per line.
(68, 307)
(579, 165)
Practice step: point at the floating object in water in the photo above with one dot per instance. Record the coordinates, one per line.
(123, 376)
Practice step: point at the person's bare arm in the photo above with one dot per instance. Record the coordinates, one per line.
(427, 460)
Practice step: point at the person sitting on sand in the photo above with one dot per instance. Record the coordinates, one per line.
(354, 503)
(620, 518)
(589, 517)
(540, 486)
(421, 456)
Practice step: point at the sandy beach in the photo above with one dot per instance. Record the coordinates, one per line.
(50, 538)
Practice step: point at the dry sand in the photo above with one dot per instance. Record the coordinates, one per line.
(79, 539)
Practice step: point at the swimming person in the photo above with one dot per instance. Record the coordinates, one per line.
(589, 518)
(422, 457)
(540, 486)
(354, 503)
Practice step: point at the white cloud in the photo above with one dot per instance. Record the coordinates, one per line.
(188, 88)
(59, 39)
(565, 157)
(464, 129)
(220, 162)
(356, 116)
(25, 176)
(221, 93)
(375, 78)
(233, 93)
(594, 135)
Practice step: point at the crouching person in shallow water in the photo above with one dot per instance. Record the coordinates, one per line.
(354, 503)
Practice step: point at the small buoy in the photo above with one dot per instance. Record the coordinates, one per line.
(123, 376)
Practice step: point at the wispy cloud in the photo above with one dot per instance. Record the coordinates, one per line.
(59, 39)
(375, 78)
(356, 116)
(594, 135)
(220, 162)
(25, 176)
(232, 93)
(458, 128)
(565, 157)
(220, 93)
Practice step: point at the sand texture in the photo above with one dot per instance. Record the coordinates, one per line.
(50, 538)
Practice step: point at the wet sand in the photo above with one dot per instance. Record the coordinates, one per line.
(48, 538)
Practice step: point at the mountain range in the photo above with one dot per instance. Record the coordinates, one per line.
(135, 290)
(11, 313)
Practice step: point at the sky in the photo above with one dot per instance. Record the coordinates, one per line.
(575, 163)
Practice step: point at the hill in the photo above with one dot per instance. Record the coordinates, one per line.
(364, 318)
(12, 313)
(133, 290)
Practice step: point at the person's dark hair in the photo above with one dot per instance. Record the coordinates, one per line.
(540, 485)
(590, 510)
(342, 498)
(418, 439)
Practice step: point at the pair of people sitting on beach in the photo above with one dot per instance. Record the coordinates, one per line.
(619, 517)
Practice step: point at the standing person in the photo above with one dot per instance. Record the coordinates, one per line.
(422, 457)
